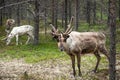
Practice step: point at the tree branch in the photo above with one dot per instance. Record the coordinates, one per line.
(15, 4)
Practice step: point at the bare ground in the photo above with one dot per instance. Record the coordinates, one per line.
(55, 69)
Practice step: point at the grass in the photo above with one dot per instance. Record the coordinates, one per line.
(47, 49)
(31, 53)
(48, 53)
(85, 27)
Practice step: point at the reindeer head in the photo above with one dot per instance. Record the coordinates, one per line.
(60, 36)
(9, 37)
(9, 23)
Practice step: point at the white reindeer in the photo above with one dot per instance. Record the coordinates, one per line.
(21, 30)
(77, 43)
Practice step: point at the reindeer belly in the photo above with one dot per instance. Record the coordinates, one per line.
(89, 46)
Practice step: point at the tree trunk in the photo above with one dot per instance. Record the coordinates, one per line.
(45, 14)
(76, 14)
(36, 20)
(94, 12)
(112, 24)
(53, 12)
(101, 12)
(63, 15)
(28, 14)
(66, 14)
(1, 19)
(88, 11)
(69, 8)
(119, 10)
(18, 14)
(56, 13)
(10, 12)
(2, 12)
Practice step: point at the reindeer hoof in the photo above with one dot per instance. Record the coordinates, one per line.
(80, 74)
(94, 71)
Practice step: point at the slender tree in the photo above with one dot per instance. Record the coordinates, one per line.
(2, 3)
(101, 12)
(36, 20)
(119, 9)
(112, 24)
(45, 14)
(18, 14)
(94, 12)
(69, 8)
(88, 9)
(63, 14)
(76, 14)
(1, 18)
(56, 13)
(66, 4)
(53, 12)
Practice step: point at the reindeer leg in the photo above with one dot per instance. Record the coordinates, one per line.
(78, 63)
(17, 39)
(104, 51)
(73, 64)
(4, 39)
(28, 40)
(31, 36)
(98, 60)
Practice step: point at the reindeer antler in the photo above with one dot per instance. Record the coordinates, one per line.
(54, 30)
(69, 29)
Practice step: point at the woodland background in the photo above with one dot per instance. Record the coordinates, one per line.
(89, 15)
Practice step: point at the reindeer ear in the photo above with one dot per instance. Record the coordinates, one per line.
(55, 37)
(66, 36)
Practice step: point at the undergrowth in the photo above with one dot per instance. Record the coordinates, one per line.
(46, 49)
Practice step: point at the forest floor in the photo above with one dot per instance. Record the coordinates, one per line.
(54, 69)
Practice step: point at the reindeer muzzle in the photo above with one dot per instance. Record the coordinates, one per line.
(61, 48)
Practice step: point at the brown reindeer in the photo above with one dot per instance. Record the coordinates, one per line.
(77, 43)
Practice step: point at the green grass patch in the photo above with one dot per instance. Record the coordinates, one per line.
(31, 53)
(85, 27)
(47, 48)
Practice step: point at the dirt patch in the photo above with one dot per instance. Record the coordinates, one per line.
(47, 70)
(57, 69)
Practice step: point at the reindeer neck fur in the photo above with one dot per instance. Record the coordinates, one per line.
(71, 42)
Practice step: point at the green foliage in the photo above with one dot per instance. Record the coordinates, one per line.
(47, 48)
(84, 27)
(104, 16)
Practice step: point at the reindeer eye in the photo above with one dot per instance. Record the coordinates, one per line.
(56, 38)
(66, 37)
